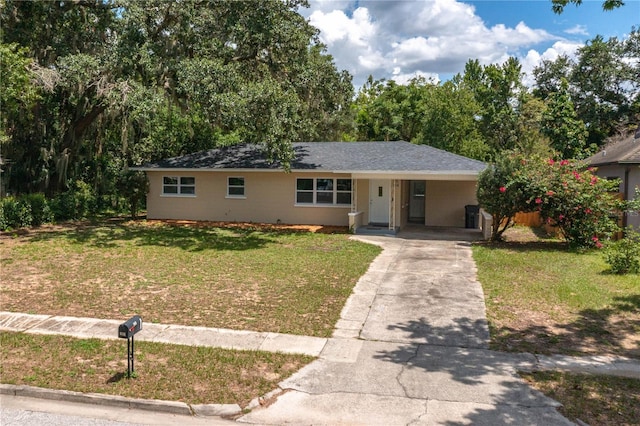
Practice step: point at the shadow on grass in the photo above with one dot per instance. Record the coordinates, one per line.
(189, 238)
(117, 378)
(612, 330)
(527, 246)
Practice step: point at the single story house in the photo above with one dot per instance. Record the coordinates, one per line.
(357, 184)
(621, 160)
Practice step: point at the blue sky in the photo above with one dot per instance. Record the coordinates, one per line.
(435, 38)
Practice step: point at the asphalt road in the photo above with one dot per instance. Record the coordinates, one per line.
(37, 412)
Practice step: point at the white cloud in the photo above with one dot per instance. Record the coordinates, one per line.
(337, 27)
(390, 39)
(406, 78)
(577, 30)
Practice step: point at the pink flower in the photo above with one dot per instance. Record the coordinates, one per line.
(594, 239)
(598, 244)
(594, 179)
(538, 200)
(561, 217)
(564, 162)
(551, 193)
(587, 210)
(503, 189)
(551, 162)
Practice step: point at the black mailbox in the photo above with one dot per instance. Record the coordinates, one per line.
(130, 327)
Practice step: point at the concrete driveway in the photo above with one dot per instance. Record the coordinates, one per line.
(412, 348)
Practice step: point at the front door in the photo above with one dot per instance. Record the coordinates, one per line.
(417, 190)
(379, 201)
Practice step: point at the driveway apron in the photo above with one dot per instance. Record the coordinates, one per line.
(411, 347)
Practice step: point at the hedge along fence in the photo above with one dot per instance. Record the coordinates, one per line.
(534, 220)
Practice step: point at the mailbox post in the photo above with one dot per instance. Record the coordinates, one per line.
(127, 330)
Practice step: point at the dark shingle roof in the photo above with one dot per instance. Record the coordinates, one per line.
(330, 156)
(626, 151)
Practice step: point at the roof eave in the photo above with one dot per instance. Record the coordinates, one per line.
(450, 175)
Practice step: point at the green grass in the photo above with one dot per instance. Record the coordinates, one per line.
(596, 400)
(195, 375)
(543, 297)
(240, 278)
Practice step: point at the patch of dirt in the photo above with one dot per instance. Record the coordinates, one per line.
(537, 332)
(525, 234)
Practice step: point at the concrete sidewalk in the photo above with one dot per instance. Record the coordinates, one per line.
(338, 349)
(411, 347)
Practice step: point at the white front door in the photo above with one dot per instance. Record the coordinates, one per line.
(379, 196)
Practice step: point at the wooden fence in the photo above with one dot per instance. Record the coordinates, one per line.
(532, 219)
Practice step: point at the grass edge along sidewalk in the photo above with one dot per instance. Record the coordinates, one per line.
(163, 371)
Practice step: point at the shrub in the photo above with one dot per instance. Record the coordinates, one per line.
(40, 210)
(3, 220)
(16, 213)
(503, 190)
(78, 202)
(623, 256)
(577, 201)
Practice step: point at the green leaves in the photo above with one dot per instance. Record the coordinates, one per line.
(576, 201)
(96, 85)
(602, 83)
(559, 5)
(504, 189)
(560, 123)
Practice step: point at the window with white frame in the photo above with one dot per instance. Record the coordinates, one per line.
(179, 185)
(235, 187)
(323, 191)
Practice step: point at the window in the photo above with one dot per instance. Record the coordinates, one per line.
(343, 193)
(323, 191)
(304, 191)
(235, 187)
(178, 185)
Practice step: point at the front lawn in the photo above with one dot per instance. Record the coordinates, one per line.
(276, 279)
(594, 400)
(194, 375)
(244, 277)
(542, 297)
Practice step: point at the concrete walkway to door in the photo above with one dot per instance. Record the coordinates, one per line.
(412, 348)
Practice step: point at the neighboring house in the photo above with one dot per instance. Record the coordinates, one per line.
(355, 184)
(621, 160)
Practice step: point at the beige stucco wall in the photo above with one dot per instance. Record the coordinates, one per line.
(616, 171)
(445, 202)
(269, 198)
